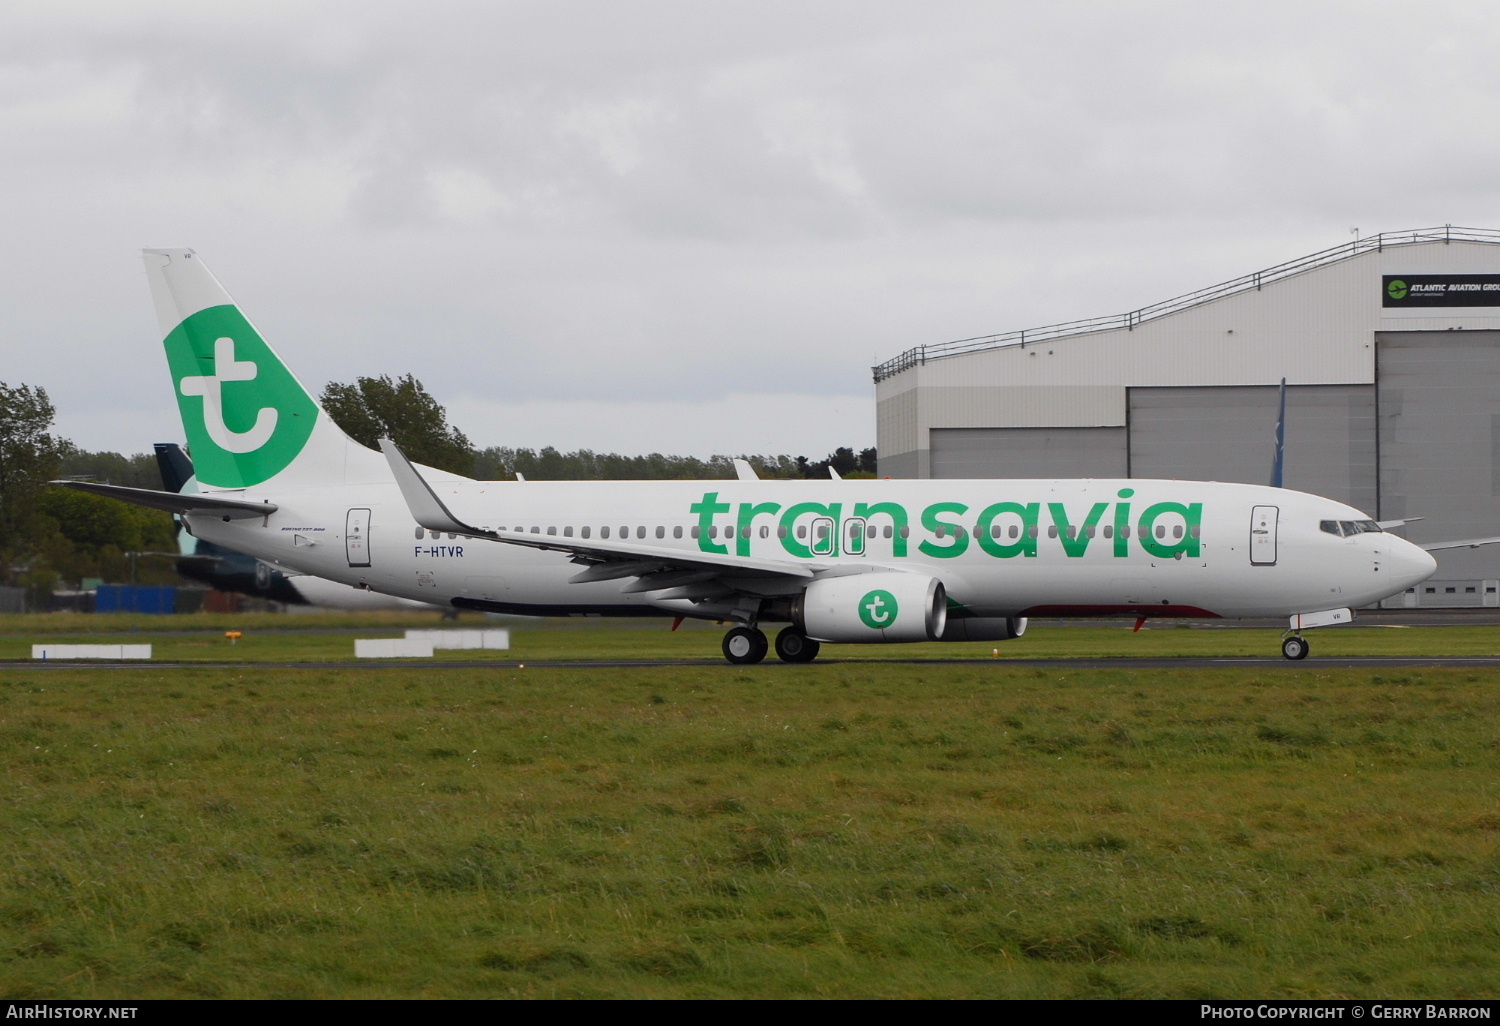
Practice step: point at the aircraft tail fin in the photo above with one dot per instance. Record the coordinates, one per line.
(176, 469)
(248, 419)
(1278, 463)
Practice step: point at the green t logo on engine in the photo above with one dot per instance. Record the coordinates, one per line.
(877, 610)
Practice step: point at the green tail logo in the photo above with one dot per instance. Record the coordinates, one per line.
(246, 417)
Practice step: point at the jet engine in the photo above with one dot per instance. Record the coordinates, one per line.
(984, 628)
(879, 607)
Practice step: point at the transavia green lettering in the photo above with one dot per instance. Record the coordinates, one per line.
(1003, 530)
(706, 510)
(789, 526)
(1075, 539)
(870, 510)
(1021, 526)
(246, 416)
(1168, 540)
(952, 540)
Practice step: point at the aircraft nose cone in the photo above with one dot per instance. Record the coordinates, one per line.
(1411, 564)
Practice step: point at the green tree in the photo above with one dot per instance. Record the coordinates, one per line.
(403, 411)
(137, 471)
(28, 459)
(548, 464)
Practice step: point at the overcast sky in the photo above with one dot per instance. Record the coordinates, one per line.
(691, 227)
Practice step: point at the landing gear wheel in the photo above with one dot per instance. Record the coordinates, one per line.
(1295, 647)
(745, 645)
(792, 646)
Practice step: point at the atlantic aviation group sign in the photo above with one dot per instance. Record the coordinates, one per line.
(1415, 291)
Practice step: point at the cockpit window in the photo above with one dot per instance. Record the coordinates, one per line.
(1349, 528)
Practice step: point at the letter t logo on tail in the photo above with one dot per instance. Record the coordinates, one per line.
(210, 387)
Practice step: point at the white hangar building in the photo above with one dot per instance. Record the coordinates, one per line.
(1390, 346)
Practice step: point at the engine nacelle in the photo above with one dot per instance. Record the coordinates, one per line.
(984, 628)
(873, 608)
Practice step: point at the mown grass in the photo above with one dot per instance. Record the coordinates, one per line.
(329, 637)
(845, 830)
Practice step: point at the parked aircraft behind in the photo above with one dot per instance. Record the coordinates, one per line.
(836, 561)
(224, 569)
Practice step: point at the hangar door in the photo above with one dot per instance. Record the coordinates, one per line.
(1228, 433)
(1028, 452)
(1440, 450)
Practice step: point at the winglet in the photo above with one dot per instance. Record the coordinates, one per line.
(426, 508)
(744, 471)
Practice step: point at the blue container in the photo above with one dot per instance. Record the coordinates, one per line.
(129, 598)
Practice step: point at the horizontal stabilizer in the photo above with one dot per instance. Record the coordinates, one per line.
(173, 502)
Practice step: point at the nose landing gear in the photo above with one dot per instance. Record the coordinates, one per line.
(1295, 646)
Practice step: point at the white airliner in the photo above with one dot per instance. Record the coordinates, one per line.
(836, 561)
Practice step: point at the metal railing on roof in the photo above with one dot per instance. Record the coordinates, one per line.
(1245, 283)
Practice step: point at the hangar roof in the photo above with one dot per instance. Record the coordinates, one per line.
(1253, 282)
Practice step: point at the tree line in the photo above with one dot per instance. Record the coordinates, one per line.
(404, 411)
(51, 537)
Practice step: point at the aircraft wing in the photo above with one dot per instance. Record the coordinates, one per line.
(658, 567)
(1466, 543)
(174, 502)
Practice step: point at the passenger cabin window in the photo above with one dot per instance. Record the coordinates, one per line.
(661, 532)
(677, 531)
(419, 534)
(584, 531)
(567, 532)
(640, 532)
(604, 532)
(765, 532)
(551, 530)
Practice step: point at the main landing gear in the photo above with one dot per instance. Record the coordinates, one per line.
(1295, 646)
(792, 646)
(745, 646)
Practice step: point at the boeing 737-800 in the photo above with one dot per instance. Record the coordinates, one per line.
(836, 561)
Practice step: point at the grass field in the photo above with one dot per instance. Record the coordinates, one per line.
(843, 830)
(329, 637)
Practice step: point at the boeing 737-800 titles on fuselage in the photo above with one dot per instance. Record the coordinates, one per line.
(838, 561)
